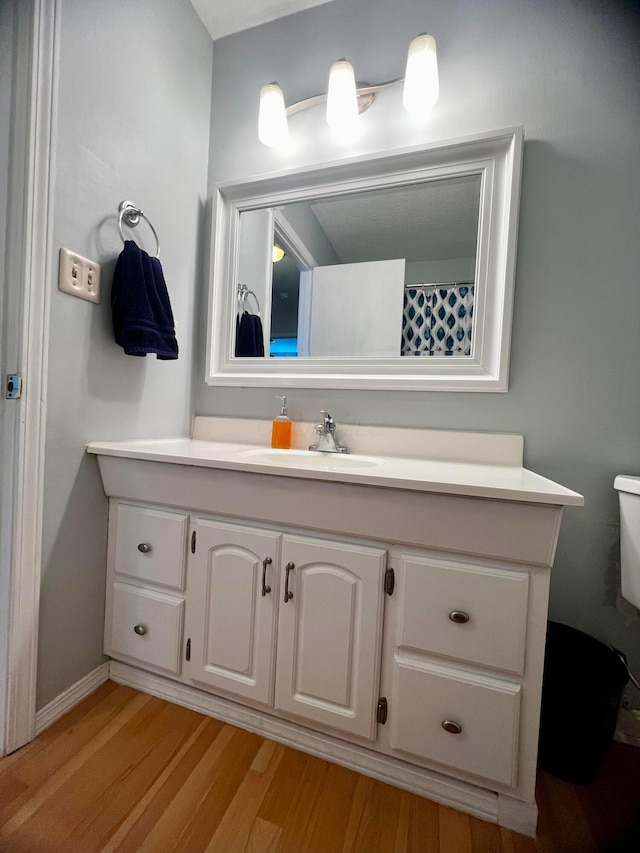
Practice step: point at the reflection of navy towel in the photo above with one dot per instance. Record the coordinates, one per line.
(249, 335)
(140, 307)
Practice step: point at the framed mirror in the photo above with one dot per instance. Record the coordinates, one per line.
(393, 271)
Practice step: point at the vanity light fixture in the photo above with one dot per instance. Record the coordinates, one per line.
(342, 98)
(273, 129)
(277, 253)
(345, 102)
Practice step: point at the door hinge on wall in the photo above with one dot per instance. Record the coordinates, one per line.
(188, 652)
(389, 581)
(193, 542)
(383, 710)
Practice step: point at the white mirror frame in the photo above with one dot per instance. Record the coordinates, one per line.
(497, 157)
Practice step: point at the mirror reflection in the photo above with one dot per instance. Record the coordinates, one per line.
(374, 274)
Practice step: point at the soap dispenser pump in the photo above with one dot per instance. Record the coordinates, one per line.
(281, 430)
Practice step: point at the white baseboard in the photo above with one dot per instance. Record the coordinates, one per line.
(59, 706)
(487, 805)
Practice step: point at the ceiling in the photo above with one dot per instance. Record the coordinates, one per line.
(429, 221)
(223, 17)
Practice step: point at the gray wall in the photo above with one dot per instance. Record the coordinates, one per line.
(133, 123)
(567, 72)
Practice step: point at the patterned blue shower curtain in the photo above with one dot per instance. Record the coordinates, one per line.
(437, 322)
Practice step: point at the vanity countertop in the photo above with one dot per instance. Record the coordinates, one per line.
(414, 473)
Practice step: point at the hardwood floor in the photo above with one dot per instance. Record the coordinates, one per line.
(128, 772)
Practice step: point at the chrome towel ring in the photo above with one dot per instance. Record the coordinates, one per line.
(243, 294)
(130, 215)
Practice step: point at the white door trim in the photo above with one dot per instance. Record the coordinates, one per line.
(30, 203)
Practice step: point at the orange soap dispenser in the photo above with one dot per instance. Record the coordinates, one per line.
(281, 430)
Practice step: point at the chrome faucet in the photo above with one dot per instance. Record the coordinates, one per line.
(326, 432)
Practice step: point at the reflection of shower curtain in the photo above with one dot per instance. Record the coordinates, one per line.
(437, 321)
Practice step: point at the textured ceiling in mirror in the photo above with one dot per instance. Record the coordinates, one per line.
(431, 221)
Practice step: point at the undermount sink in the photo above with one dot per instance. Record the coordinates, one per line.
(311, 459)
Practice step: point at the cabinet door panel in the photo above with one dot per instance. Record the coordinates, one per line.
(150, 544)
(492, 601)
(329, 634)
(230, 623)
(485, 709)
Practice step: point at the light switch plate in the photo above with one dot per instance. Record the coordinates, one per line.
(79, 276)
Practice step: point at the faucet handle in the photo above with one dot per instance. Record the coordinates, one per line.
(329, 423)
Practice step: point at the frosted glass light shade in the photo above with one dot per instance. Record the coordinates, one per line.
(273, 129)
(421, 87)
(342, 100)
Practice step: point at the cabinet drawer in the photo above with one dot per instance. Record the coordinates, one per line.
(470, 613)
(151, 545)
(147, 625)
(485, 709)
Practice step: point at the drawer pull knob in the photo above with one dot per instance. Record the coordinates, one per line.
(459, 617)
(144, 548)
(140, 630)
(451, 727)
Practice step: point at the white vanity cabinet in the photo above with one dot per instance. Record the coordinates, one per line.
(267, 610)
(391, 622)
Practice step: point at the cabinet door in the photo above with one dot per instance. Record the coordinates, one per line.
(330, 633)
(230, 616)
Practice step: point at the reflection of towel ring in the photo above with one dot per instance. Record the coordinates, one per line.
(243, 293)
(131, 214)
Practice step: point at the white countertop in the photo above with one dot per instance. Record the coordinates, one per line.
(444, 476)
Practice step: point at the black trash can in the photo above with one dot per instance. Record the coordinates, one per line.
(581, 693)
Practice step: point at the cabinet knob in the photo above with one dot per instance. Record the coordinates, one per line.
(144, 548)
(459, 617)
(140, 630)
(451, 727)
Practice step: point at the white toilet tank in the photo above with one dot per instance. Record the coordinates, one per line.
(629, 493)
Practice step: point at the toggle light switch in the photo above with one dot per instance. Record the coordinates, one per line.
(79, 276)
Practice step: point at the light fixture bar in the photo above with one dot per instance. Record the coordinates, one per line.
(365, 93)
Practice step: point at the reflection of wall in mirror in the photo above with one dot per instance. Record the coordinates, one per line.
(254, 260)
(354, 310)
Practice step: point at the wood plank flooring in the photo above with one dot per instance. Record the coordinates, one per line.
(128, 772)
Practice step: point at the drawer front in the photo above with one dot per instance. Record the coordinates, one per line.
(431, 703)
(470, 613)
(147, 626)
(151, 545)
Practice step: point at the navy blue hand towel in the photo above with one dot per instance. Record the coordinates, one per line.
(249, 335)
(140, 307)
